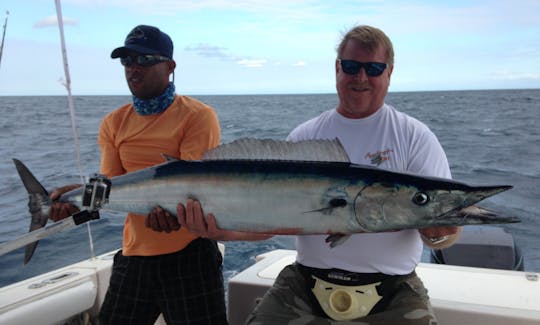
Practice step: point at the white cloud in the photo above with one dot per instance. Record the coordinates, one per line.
(53, 21)
(208, 50)
(516, 76)
(252, 63)
(300, 64)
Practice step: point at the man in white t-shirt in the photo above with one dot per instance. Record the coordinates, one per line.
(369, 278)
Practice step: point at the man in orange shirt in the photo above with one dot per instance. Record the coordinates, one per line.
(162, 268)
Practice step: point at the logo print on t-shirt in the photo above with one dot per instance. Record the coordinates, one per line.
(379, 157)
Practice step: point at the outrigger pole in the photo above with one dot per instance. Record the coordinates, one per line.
(3, 36)
(33, 236)
(67, 84)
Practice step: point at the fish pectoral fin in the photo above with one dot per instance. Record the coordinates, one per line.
(319, 210)
(336, 239)
(333, 203)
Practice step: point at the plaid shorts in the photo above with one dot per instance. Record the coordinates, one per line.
(186, 286)
(289, 302)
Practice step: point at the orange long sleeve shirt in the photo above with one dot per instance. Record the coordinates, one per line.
(129, 142)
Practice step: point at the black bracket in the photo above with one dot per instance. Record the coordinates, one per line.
(84, 216)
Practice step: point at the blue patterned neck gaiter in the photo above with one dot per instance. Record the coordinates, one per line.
(155, 105)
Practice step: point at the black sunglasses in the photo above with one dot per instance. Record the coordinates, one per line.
(143, 60)
(373, 69)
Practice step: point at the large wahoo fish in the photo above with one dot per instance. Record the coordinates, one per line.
(278, 187)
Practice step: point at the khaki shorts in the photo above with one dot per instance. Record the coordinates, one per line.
(290, 302)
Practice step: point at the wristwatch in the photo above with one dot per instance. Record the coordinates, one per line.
(438, 240)
(435, 240)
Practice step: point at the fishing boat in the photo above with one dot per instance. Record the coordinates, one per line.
(494, 291)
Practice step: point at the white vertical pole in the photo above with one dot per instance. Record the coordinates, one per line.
(67, 84)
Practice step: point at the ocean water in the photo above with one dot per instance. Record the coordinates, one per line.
(490, 137)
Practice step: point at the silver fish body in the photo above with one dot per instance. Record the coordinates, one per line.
(298, 197)
(278, 187)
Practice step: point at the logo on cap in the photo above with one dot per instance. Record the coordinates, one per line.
(136, 33)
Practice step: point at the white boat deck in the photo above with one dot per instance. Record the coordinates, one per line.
(459, 295)
(59, 295)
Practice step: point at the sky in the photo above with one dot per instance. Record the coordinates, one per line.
(269, 46)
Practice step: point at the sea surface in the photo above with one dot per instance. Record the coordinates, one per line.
(490, 137)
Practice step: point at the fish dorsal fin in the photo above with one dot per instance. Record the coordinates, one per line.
(268, 149)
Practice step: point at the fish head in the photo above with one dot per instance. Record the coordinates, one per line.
(391, 206)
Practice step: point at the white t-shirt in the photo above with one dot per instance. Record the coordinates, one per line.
(388, 139)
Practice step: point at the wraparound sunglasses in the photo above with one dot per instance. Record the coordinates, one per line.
(352, 67)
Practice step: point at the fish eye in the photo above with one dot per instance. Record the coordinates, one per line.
(338, 202)
(420, 198)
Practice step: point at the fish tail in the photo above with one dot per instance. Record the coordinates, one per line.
(38, 198)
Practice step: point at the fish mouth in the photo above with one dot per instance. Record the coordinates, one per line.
(474, 215)
(468, 213)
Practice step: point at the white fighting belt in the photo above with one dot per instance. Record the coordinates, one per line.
(345, 302)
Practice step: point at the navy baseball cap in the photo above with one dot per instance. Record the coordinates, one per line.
(145, 39)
